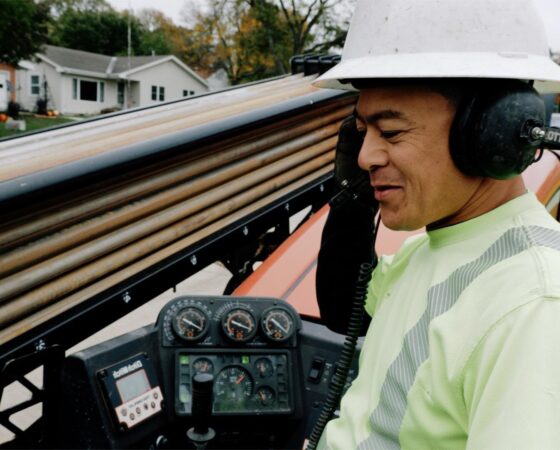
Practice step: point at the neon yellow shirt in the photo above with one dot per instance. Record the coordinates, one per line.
(464, 347)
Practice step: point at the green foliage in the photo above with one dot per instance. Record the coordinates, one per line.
(103, 32)
(23, 29)
(156, 33)
(94, 26)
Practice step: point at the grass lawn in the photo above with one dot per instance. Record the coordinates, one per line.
(33, 123)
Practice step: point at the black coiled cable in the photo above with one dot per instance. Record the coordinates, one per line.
(346, 355)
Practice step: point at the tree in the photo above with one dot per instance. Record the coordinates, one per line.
(157, 34)
(240, 36)
(253, 39)
(23, 29)
(104, 31)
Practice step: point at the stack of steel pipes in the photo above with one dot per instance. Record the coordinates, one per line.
(61, 248)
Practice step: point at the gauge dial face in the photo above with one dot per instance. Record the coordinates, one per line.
(239, 325)
(277, 324)
(190, 323)
(233, 387)
(265, 395)
(203, 365)
(264, 367)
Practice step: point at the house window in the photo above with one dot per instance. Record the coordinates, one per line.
(88, 90)
(35, 84)
(92, 91)
(158, 93)
(187, 93)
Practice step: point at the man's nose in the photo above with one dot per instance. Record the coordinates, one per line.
(374, 152)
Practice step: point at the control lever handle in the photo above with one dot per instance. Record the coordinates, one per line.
(202, 400)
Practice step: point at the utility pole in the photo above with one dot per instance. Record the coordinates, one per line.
(129, 38)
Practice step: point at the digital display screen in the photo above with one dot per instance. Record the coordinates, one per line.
(133, 385)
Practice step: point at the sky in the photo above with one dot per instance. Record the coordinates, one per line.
(549, 9)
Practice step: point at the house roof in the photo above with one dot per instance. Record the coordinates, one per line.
(121, 64)
(81, 62)
(77, 59)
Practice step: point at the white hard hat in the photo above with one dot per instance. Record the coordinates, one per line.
(445, 39)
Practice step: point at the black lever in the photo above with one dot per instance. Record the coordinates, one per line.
(202, 399)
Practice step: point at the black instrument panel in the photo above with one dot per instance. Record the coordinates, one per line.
(262, 357)
(228, 321)
(247, 344)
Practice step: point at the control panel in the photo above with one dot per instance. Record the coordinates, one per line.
(271, 375)
(132, 390)
(247, 344)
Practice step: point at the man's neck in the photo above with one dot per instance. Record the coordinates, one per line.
(489, 195)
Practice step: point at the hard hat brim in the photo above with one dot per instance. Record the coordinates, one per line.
(543, 70)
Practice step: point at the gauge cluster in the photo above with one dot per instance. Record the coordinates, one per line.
(248, 383)
(247, 344)
(225, 321)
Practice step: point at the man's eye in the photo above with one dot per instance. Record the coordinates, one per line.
(390, 134)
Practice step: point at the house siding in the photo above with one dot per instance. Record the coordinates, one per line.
(170, 76)
(46, 72)
(76, 106)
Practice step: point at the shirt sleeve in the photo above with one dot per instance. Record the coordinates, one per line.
(511, 383)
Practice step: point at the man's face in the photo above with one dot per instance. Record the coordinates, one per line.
(406, 152)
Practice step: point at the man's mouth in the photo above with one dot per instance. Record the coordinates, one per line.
(382, 192)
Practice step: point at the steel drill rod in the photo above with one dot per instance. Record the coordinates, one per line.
(20, 232)
(27, 145)
(50, 292)
(95, 227)
(145, 116)
(40, 273)
(29, 162)
(47, 313)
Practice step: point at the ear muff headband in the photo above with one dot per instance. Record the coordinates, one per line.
(488, 137)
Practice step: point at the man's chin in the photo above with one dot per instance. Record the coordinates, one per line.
(399, 224)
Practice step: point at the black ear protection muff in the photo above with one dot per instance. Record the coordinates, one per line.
(490, 135)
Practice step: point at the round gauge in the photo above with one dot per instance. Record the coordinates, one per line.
(203, 365)
(264, 367)
(190, 323)
(239, 325)
(277, 324)
(233, 387)
(265, 395)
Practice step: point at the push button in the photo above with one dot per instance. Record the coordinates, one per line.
(317, 367)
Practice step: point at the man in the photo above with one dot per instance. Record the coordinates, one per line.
(462, 350)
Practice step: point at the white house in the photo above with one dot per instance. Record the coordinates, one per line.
(78, 82)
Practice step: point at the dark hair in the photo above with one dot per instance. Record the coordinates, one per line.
(453, 89)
